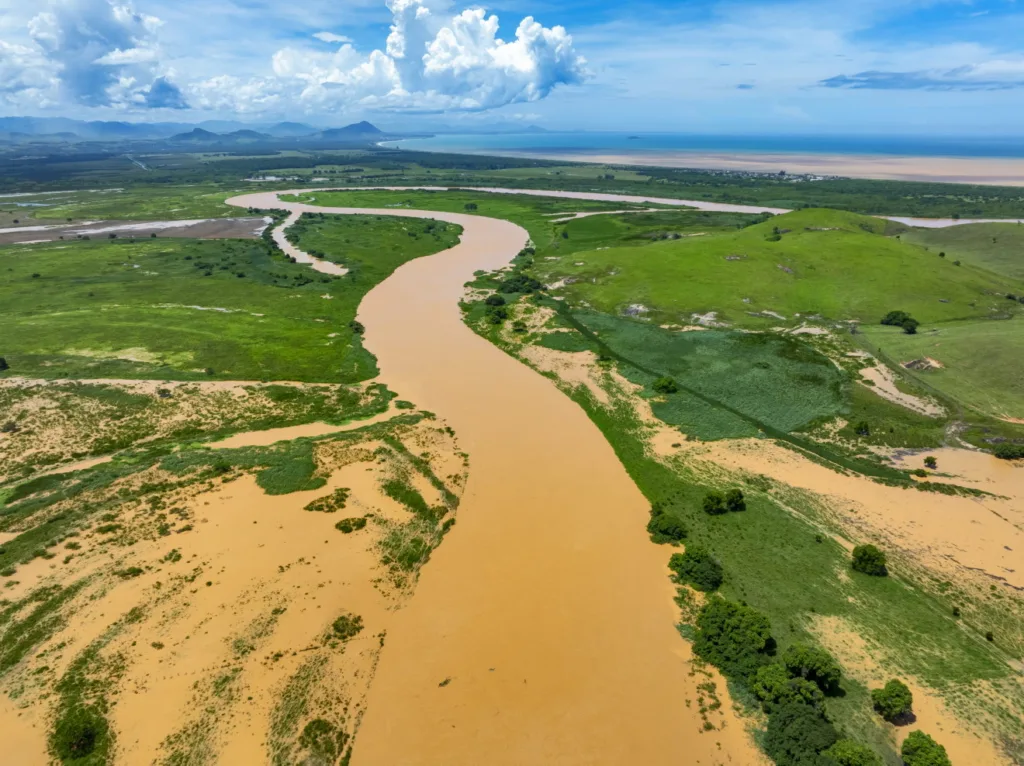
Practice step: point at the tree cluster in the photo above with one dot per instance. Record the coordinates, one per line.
(901, 319)
(716, 504)
(869, 560)
(697, 567)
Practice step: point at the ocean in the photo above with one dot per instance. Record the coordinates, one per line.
(638, 144)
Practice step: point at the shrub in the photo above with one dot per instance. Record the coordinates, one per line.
(797, 734)
(931, 462)
(775, 687)
(331, 503)
(665, 385)
(350, 525)
(697, 567)
(910, 326)
(3, 364)
(921, 750)
(814, 665)
(733, 637)
(469, 206)
(893, 701)
(869, 560)
(79, 731)
(356, 327)
(846, 752)
(495, 300)
(714, 504)
(1009, 451)
(862, 428)
(347, 626)
(664, 528)
(734, 501)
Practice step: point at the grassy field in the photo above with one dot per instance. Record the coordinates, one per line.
(997, 247)
(532, 213)
(186, 309)
(735, 370)
(837, 266)
(982, 361)
(371, 247)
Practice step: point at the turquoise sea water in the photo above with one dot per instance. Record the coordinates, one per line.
(661, 143)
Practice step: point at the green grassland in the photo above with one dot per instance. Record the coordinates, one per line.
(997, 247)
(182, 309)
(144, 203)
(731, 369)
(834, 265)
(371, 247)
(983, 361)
(532, 213)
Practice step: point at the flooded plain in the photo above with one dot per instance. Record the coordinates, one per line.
(542, 631)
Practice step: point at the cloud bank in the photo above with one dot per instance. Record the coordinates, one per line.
(432, 62)
(105, 53)
(101, 54)
(994, 75)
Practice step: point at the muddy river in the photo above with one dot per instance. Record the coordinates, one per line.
(542, 629)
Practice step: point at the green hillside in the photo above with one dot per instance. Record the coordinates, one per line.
(826, 263)
(998, 247)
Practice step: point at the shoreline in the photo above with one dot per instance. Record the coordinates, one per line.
(986, 171)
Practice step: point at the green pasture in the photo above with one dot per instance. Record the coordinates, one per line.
(982, 361)
(997, 247)
(185, 309)
(823, 264)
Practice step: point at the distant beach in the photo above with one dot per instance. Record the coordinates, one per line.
(971, 161)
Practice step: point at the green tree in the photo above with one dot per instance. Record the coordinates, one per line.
(3, 364)
(697, 567)
(813, 664)
(732, 637)
(714, 504)
(775, 687)
(931, 462)
(665, 385)
(895, 318)
(910, 326)
(664, 528)
(921, 750)
(495, 300)
(846, 752)
(869, 560)
(893, 701)
(735, 501)
(797, 735)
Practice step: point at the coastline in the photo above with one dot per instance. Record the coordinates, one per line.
(988, 171)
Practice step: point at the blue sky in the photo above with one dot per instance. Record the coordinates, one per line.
(954, 67)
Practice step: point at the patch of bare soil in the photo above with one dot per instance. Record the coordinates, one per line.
(883, 383)
(253, 624)
(211, 228)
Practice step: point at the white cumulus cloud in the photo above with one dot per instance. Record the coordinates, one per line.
(432, 61)
(103, 54)
(330, 37)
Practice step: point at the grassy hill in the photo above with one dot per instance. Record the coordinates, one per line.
(997, 247)
(832, 264)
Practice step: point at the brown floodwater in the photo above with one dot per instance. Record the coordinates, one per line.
(542, 629)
